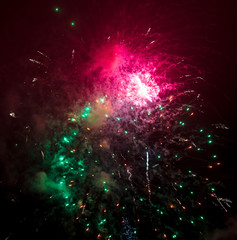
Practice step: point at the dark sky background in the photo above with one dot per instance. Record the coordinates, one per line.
(211, 31)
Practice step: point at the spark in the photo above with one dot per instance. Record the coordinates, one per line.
(73, 56)
(151, 42)
(35, 61)
(224, 200)
(12, 114)
(220, 125)
(42, 154)
(130, 175)
(148, 31)
(43, 54)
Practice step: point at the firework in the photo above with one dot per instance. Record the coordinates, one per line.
(120, 142)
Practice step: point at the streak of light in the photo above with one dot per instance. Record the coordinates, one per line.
(147, 176)
(35, 61)
(42, 54)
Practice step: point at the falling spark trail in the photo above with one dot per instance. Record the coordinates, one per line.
(147, 175)
(130, 180)
(224, 200)
(130, 175)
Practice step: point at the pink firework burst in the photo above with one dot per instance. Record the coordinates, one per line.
(126, 75)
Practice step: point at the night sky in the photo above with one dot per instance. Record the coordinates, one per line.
(204, 32)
